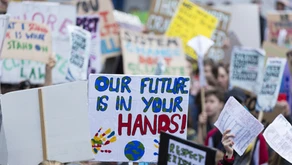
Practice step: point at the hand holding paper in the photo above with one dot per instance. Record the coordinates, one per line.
(242, 124)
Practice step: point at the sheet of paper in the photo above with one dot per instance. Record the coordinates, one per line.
(279, 137)
(66, 120)
(242, 124)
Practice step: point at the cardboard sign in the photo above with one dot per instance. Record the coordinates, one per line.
(52, 117)
(53, 15)
(142, 52)
(220, 34)
(190, 21)
(243, 16)
(270, 87)
(4, 20)
(127, 114)
(174, 151)
(278, 21)
(160, 15)
(246, 69)
(27, 40)
(80, 49)
(91, 24)
(109, 29)
(128, 21)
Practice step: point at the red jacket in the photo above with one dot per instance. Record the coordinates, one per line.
(226, 161)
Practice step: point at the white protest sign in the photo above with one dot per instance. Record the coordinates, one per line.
(242, 124)
(246, 68)
(268, 95)
(128, 21)
(127, 114)
(279, 137)
(201, 45)
(80, 50)
(91, 24)
(4, 20)
(66, 124)
(53, 15)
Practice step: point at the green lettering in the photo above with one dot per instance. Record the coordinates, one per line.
(32, 73)
(18, 45)
(22, 75)
(5, 65)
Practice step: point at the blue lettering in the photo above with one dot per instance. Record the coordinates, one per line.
(105, 49)
(147, 103)
(101, 105)
(101, 83)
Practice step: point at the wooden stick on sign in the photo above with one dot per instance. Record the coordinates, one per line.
(43, 126)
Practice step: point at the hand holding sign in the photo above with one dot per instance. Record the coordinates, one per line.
(227, 141)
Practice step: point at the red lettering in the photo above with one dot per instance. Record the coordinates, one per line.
(64, 26)
(41, 16)
(103, 15)
(163, 123)
(127, 124)
(147, 60)
(35, 27)
(7, 35)
(176, 126)
(138, 124)
(147, 125)
(52, 19)
(167, 60)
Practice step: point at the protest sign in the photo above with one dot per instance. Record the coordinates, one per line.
(174, 151)
(127, 114)
(246, 68)
(188, 22)
(27, 40)
(109, 29)
(278, 135)
(220, 34)
(160, 15)
(141, 53)
(80, 49)
(128, 21)
(278, 21)
(53, 125)
(243, 16)
(53, 15)
(234, 41)
(270, 87)
(4, 20)
(242, 124)
(91, 24)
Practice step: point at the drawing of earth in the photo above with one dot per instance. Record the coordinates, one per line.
(134, 150)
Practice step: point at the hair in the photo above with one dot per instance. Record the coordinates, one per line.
(217, 93)
(24, 84)
(212, 82)
(213, 65)
(50, 162)
(221, 65)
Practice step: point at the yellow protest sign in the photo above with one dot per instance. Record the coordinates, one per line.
(189, 21)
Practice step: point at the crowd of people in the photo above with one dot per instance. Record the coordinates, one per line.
(201, 129)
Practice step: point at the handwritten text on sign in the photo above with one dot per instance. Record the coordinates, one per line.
(160, 15)
(53, 16)
(27, 40)
(246, 69)
(271, 84)
(190, 21)
(109, 29)
(142, 52)
(134, 110)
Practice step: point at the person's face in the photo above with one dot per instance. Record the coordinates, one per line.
(213, 106)
(208, 71)
(280, 6)
(223, 78)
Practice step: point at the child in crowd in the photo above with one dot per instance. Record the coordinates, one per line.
(258, 154)
(214, 102)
